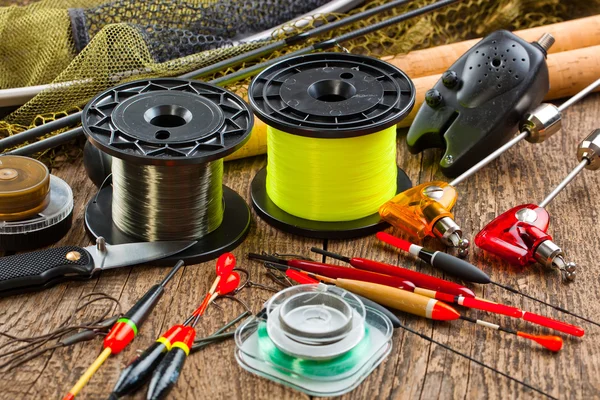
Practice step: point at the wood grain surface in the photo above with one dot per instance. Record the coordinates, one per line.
(416, 369)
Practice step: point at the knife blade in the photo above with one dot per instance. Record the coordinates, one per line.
(45, 268)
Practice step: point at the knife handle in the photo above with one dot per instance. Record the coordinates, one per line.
(42, 269)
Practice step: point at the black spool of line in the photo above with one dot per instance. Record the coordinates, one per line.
(331, 96)
(167, 139)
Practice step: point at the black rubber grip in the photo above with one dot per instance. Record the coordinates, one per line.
(41, 269)
(459, 268)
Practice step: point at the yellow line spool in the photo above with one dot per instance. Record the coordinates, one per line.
(332, 180)
(331, 139)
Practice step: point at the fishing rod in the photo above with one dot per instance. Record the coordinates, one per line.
(67, 136)
(231, 62)
(331, 43)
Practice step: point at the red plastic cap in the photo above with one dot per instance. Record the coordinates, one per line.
(553, 343)
(119, 337)
(492, 307)
(394, 241)
(187, 336)
(554, 324)
(515, 235)
(172, 333)
(300, 278)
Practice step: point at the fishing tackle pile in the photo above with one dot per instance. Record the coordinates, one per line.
(160, 364)
(156, 148)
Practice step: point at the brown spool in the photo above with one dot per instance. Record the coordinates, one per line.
(24, 187)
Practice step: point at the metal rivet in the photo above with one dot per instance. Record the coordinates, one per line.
(73, 256)
(433, 192)
(526, 215)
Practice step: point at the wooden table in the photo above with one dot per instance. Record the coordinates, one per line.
(415, 368)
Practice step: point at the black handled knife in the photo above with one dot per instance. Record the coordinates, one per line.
(45, 268)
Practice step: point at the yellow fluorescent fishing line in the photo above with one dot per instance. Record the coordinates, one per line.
(331, 179)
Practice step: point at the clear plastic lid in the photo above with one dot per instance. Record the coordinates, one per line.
(315, 315)
(59, 207)
(258, 354)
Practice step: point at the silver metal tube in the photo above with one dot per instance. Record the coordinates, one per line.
(565, 182)
(574, 99)
(489, 158)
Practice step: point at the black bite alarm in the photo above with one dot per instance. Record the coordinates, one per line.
(477, 104)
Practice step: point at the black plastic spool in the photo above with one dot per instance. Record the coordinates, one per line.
(169, 122)
(35, 240)
(328, 96)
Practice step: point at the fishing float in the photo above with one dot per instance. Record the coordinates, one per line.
(383, 274)
(461, 269)
(427, 307)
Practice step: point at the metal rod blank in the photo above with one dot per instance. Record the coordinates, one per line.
(522, 135)
(39, 131)
(331, 43)
(565, 182)
(299, 38)
(489, 158)
(49, 143)
(574, 99)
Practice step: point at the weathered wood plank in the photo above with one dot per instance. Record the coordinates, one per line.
(415, 368)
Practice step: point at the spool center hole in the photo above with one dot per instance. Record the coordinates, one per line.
(316, 316)
(8, 174)
(168, 116)
(332, 90)
(496, 62)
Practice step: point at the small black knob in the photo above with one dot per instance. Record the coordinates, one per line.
(450, 79)
(433, 98)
